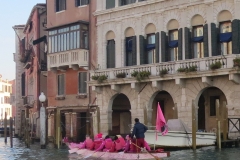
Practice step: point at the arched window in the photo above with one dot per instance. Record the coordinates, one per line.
(110, 55)
(173, 40)
(130, 47)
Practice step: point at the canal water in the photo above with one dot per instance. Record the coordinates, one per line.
(20, 152)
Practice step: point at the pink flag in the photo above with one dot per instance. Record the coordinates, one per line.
(160, 122)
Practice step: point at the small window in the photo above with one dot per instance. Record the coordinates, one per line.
(173, 44)
(60, 5)
(226, 37)
(110, 4)
(61, 84)
(81, 2)
(213, 105)
(126, 2)
(82, 85)
(198, 42)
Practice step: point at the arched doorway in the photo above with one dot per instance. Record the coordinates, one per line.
(167, 105)
(121, 115)
(207, 108)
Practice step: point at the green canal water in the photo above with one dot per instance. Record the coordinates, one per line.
(20, 152)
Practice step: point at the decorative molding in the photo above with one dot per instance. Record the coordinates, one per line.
(196, 10)
(157, 84)
(207, 80)
(234, 78)
(221, 6)
(181, 82)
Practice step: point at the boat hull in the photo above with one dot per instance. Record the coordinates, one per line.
(179, 139)
(114, 155)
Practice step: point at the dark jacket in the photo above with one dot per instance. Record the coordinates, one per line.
(139, 129)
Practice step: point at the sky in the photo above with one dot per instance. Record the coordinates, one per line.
(12, 12)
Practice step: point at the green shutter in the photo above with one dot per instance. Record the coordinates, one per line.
(111, 54)
(180, 47)
(205, 40)
(82, 82)
(157, 47)
(235, 36)
(188, 44)
(134, 50)
(163, 46)
(142, 46)
(110, 4)
(214, 40)
(108, 54)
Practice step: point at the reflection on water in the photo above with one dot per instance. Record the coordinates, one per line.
(20, 152)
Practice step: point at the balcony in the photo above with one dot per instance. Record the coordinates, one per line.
(69, 59)
(203, 68)
(28, 101)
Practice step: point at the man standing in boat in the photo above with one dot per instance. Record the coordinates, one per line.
(138, 131)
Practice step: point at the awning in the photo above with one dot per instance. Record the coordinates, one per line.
(39, 40)
(150, 47)
(225, 37)
(173, 44)
(197, 39)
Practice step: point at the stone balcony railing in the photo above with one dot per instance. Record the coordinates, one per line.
(68, 59)
(202, 69)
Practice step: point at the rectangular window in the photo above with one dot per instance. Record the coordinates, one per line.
(225, 37)
(60, 5)
(213, 105)
(61, 84)
(126, 2)
(198, 48)
(23, 84)
(151, 48)
(110, 4)
(81, 2)
(82, 85)
(129, 54)
(173, 44)
(68, 38)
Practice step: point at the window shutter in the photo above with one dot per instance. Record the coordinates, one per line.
(76, 3)
(235, 36)
(205, 40)
(180, 47)
(163, 46)
(187, 37)
(142, 45)
(111, 54)
(57, 5)
(110, 4)
(157, 47)
(82, 82)
(214, 40)
(134, 50)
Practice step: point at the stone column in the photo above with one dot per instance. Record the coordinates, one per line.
(67, 124)
(149, 116)
(74, 126)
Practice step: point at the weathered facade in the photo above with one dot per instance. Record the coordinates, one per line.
(186, 47)
(33, 58)
(71, 32)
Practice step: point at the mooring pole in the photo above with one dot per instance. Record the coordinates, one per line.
(193, 125)
(5, 128)
(225, 116)
(218, 125)
(11, 132)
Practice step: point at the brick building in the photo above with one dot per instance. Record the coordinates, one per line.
(71, 44)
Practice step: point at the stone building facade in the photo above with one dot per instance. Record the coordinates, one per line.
(187, 47)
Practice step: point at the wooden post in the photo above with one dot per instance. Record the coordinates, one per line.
(27, 138)
(218, 124)
(193, 125)
(57, 125)
(5, 128)
(225, 116)
(11, 132)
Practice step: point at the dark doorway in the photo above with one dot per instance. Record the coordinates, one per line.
(81, 126)
(121, 115)
(201, 113)
(63, 127)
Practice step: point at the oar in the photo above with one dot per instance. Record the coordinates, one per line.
(103, 153)
(157, 158)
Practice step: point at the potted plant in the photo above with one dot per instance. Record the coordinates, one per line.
(192, 69)
(181, 69)
(216, 65)
(95, 77)
(100, 78)
(121, 75)
(163, 72)
(140, 75)
(236, 62)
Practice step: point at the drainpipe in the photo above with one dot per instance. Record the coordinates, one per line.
(89, 68)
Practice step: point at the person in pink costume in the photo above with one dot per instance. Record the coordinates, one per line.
(129, 147)
(99, 142)
(109, 145)
(88, 143)
(119, 143)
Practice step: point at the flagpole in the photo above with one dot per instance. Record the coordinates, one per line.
(156, 140)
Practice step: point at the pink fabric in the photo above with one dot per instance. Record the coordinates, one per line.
(127, 146)
(83, 145)
(99, 144)
(147, 146)
(89, 144)
(160, 121)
